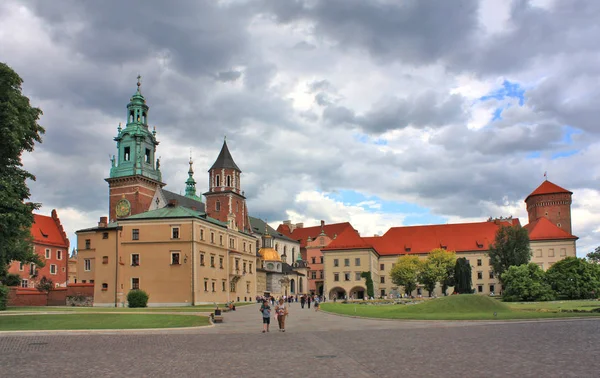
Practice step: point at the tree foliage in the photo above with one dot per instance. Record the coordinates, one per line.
(437, 268)
(369, 283)
(575, 278)
(594, 257)
(462, 276)
(406, 273)
(19, 130)
(3, 297)
(11, 279)
(510, 248)
(526, 283)
(137, 298)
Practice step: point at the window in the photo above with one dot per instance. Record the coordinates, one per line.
(247, 288)
(228, 180)
(105, 235)
(175, 233)
(104, 259)
(383, 292)
(104, 287)
(244, 246)
(313, 274)
(491, 275)
(21, 266)
(250, 267)
(538, 253)
(218, 181)
(201, 234)
(205, 284)
(492, 287)
(563, 251)
(382, 279)
(202, 259)
(135, 234)
(346, 276)
(313, 260)
(322, 240)
(346, 262)
(59, 255)
(321, 274)
(88, 244)
(147, 156)
(135, 284)
(357, 261)
(232, 286)
(480, 288)
(237, 265)
(32, 269)
(135, 259)
(174, 258)
(381, 266)
(221, 239)
(127, 153)
(244, 268)
(48, 253)
(277, 247)
(479, 275)
(212, 261)
(213, 286)
(52, 269)
(87, 265)
(336, 276)
(321, 259)
(218, 206)
(357, 276)
(212, 237)
(336, 262)
(551, 252)
(221, 262)
(24, 283)
(223, 286)
(479, 262)
(232, 243)
(237, 206)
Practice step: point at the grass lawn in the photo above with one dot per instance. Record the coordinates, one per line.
(455, 307)
(555, 306)
(98, 321)
(199, 308)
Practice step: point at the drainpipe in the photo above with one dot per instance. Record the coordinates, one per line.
(193, 259)
(116, 264)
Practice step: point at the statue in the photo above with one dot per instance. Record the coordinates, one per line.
(112, 161)
(157, 164)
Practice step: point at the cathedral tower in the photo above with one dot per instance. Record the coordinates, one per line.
(225, 200)
(134, 174)
(550, 201)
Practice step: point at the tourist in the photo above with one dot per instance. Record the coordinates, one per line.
(265, 310)
(302, 301)
(308, 300)
(317, 303)
(282, 311)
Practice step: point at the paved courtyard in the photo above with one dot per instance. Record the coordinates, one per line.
(315, 345)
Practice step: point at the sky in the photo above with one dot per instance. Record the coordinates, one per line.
(381, 113)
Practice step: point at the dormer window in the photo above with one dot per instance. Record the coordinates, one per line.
(127, 153)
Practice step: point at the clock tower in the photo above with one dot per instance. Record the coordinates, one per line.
(134, 173)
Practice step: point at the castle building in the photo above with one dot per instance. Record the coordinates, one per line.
(349, 254)
(50, 242)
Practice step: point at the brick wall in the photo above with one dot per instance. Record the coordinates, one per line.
(18, 296)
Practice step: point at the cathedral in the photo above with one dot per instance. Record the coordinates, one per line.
(179, 249)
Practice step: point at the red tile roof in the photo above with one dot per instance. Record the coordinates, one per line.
(302, 234)
(547, 187)
(48, 230)
(459, 237)
(544, 229)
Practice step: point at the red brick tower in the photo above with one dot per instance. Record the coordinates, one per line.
(225, 200)
(550, 201)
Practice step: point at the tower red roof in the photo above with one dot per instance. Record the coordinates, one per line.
(543, 229)
(303, 233)
(547, 187)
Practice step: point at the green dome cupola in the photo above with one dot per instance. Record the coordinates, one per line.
(136, 144)
(190, 184)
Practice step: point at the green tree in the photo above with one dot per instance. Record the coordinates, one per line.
(594, 256)
(19, 130)
(575, 278)
(369, 283)
(462, 276)
(510, 248)
(526, 283)
(406, 273)
(45, 285)
(438, 267)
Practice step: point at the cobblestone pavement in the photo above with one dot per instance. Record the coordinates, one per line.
(315, 345)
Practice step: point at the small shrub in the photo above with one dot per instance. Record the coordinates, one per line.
(12, 280)
(137, 298)
(3, 297)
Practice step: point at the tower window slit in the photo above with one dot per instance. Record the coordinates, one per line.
(228, 180)
(126, 153)
(218, 181)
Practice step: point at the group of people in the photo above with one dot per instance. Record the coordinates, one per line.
(281, 308)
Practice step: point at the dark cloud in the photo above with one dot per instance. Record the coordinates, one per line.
(228, 76)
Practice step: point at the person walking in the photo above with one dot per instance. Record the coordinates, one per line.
(308, 300)
(282, 311)
(265, 310)
(302, 301)
(317, 303)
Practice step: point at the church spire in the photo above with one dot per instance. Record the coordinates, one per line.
(190, 183)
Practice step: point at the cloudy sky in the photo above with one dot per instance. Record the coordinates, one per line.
(380, 112)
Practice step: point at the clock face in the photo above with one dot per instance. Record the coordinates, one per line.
(270, 266)
(123, 208)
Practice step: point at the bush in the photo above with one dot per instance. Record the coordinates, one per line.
(526, 282)
(137, 298)
(3, 297)
(575, 278)
(12, 280)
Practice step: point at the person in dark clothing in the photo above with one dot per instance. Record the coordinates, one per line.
(308, 300)
(265, 310)
(302, 301)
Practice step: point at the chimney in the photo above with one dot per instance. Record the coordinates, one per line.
(172, 203)
(53, 214)
(322, 223)
(287, 222)
(299, 225)
(103, 222)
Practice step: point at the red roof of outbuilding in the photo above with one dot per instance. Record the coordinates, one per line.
(48, 230)
(547, 187)
(302, 234)
(459, 237)
(544, 229)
